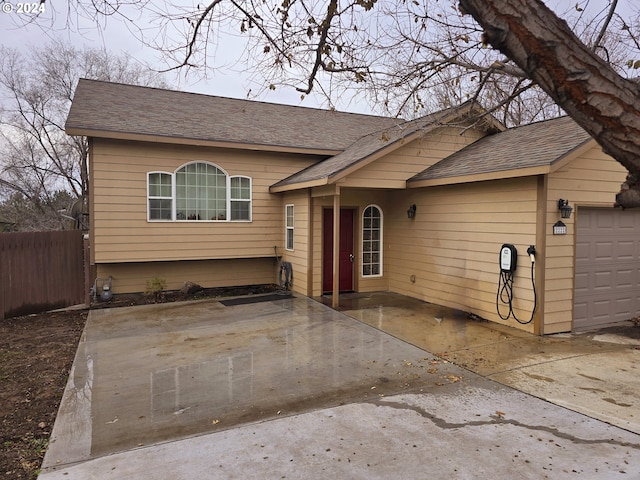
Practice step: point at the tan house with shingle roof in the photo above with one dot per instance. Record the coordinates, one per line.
(208, 189)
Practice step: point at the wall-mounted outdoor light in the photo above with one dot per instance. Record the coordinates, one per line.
(565, 208)
(411, 213)
(559, 228)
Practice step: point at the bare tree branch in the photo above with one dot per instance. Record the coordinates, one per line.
(606, 105)
(605, 25)
(194, 36)
(38, 160)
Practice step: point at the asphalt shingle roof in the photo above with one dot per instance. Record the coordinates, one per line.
(534, 145)
(107, 110)
(103, 108)
(371, 144)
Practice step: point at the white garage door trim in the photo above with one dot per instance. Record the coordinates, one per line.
(607, 279)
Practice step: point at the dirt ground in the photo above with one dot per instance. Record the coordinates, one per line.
(36, 354)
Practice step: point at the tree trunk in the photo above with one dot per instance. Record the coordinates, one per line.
(606, 105)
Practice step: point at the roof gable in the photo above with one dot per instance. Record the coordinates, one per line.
(374, 145)
(112, 110)
(521, 149)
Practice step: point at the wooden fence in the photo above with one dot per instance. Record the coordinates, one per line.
(41, 271)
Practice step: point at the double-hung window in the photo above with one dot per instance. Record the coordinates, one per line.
(289, 226)
(240, 198)
(160, 198)
(198, 191)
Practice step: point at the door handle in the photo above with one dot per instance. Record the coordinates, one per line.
(351, 257)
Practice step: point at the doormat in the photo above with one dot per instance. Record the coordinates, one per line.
(256, 299)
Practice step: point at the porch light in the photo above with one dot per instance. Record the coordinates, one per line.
(412, 211)
(565, 208)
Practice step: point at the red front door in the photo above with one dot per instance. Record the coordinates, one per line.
(346, 250)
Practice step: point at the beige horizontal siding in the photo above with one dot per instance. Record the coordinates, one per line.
(452, 246)
(119, 191)
(394, 169)
(299, 256)
(133, 277)
(593, 179)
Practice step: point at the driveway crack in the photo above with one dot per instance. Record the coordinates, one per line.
(499, 419)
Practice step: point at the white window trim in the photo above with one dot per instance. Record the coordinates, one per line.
(249, 200)
(227, 183)
(381, 261)
(173, 198)
(288, 228)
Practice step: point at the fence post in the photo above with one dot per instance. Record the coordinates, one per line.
(87, 269)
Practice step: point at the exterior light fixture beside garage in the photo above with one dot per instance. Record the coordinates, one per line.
(565, 208)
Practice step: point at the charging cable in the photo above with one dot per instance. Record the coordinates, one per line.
(505, 290)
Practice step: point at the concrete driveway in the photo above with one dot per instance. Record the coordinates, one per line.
(596, 373)
(290, 388)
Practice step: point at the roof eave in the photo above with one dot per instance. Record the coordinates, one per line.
(298, 185)
(480, 177)
(111, 135)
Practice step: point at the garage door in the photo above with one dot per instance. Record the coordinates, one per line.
(607, 279)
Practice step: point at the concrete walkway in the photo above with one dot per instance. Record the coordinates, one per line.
(595, 373)
(293, 389)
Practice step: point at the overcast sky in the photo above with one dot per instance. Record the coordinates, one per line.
(228, 81)
(116, 37)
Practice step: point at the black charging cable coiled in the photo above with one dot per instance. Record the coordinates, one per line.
(505, 295)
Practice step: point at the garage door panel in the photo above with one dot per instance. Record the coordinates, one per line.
(624, 308)
(582, 251)
(625, 278)
(581, 283)
(603, 221)
(601, 308)
(625, 250)
(580, 310)
(628, 222)
(602, 280)
(603, 251)
(607, 278)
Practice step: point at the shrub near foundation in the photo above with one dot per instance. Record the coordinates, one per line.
(155, 288)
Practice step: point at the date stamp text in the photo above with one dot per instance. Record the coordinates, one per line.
(28, 8)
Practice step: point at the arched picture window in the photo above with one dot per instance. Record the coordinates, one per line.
(372, 241)
(201, 192)
(198, 191)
